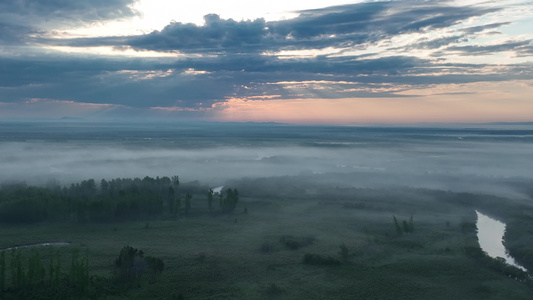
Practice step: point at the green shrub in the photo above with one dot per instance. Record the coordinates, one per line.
(131, 264)
(155, 267)
(266, 247)
(273, 290)
(294, 243)
(344, 252)
(317, 259)
(290, 242)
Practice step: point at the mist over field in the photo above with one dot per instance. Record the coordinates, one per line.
(355, 212)
(485, 159)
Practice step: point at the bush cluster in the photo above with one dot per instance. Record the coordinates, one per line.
(317, 259)
(293, 243)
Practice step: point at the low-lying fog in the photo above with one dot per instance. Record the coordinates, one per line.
(478, 160)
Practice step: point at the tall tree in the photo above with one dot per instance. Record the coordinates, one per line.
(399, 230)
(188, 198)
(210, 196)
(229, 202)
(176, 180)
(2, 271)
(104, 187)
(171, 201)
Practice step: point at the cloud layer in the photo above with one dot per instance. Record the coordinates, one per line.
(364, 50)
(23, 19)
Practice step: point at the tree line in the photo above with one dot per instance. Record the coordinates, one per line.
(35, 276)
(26, 276)
(109, 200)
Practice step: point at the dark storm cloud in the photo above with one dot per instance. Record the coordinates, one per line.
(14, 34)
(113, 41)
(216, 34)
(132, 82)
(409, 18)
(67, 9)
(341, 20)
(20, 18)
(339, 26)
(137, 83)
(99, 81)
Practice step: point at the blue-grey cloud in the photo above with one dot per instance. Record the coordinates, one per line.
(215, 35)
(20, 18)
(339, 26)
(489, 49)
(13, 34)
(136, 83)
(525, 50)
(67, 9)
(476, 29)
(238, 58)
(433, 43)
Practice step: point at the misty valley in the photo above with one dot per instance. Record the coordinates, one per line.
(119, 210)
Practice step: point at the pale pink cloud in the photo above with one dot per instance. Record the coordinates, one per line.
(52, 108)
(477, 102)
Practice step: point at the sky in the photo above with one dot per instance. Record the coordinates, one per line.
(306, 62)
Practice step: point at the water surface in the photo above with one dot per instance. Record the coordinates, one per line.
(490, 235)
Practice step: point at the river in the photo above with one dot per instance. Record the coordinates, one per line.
(490, 236)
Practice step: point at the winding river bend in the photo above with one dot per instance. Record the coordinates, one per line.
(490, 236)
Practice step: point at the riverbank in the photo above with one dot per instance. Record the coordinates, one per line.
(46, 244)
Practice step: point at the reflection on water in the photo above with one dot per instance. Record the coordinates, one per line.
(490, 235)
(37, 245)
(218, 190)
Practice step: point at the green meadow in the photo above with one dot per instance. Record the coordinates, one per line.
(291, 243)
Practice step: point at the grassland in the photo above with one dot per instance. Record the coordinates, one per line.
(245, 255)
